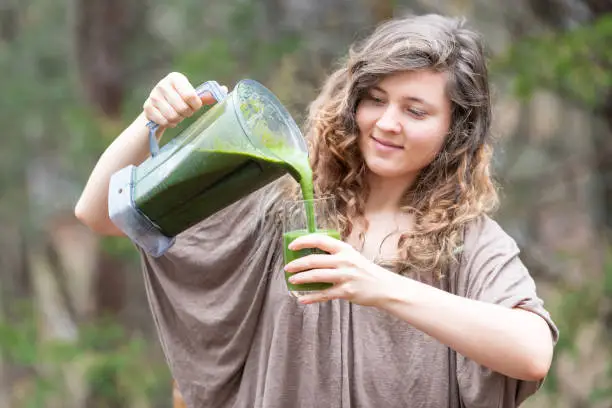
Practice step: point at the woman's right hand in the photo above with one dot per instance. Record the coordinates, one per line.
(174, 99)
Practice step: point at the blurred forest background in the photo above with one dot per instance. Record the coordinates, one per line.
(75, 329)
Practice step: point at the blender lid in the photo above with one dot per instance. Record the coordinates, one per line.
(264, 119)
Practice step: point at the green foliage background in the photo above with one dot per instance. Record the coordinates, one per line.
(47, 119)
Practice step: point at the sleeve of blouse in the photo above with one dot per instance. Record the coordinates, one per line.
(207, 291)
(493, 272)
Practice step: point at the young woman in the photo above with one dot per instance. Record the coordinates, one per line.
(431, 305)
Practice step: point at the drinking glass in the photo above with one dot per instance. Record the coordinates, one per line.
(295, 224)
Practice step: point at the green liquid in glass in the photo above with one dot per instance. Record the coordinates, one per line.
(289, 256)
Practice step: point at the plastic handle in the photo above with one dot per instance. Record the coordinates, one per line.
(209, 86)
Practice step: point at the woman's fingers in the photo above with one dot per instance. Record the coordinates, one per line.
(321, 241)
(316, 261)
(335, 292)
(320, 276)
(153, 114)
(175, 100)
(160, 102)
(186, 91)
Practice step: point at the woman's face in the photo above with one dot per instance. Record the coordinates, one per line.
(403, 122)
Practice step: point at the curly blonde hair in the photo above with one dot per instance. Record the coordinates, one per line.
(456, 187)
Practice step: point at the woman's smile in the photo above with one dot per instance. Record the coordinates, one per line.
(385, 145)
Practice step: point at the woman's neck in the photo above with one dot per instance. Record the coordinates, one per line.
(386, 193)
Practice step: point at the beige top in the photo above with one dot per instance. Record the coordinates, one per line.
(234, 337)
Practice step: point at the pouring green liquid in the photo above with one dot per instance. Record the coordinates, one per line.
(209, 179)
(304, 176)
(303, 171)
(241, 144)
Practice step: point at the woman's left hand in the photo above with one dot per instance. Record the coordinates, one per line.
(355, 278)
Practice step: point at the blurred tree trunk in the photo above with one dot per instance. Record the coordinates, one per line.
(603, 145)
(15, 284)
(14, 287)
(62, 267)
(603, 142)
(599, 7)
(73, 283)
(104, 31)
(562, 14)
(8, 20)
(99, 28)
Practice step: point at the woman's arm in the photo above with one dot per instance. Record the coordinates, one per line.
(172, 99)
(130, 147)
(514, 342)
(511, 341)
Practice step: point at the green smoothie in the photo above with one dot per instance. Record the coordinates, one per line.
(205, 182)
(208, 181)
(302, 172)
(289, 256)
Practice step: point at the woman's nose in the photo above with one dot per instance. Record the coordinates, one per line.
(389, 121)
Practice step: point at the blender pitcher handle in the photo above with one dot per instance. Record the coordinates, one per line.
(212, 87)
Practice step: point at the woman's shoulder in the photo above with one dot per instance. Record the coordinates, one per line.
(485, 232)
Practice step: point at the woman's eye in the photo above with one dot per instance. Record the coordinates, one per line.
(377, 100)
(419, 114)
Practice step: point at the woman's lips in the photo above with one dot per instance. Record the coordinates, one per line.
(385, 145)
